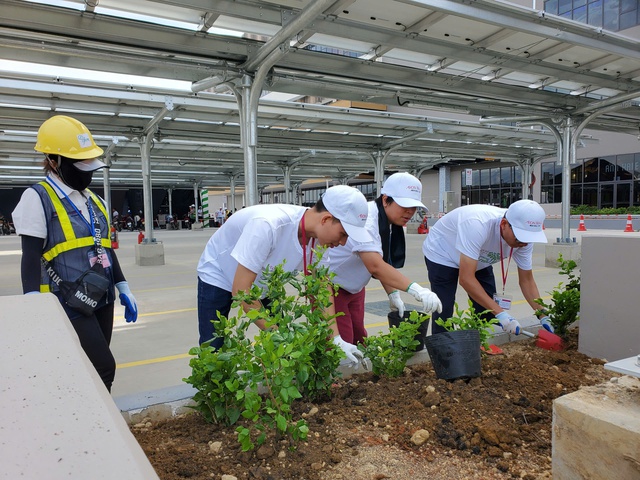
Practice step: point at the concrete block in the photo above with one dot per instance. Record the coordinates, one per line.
(149, 254)
(596, 432)
(156, 404)
(569, 251)
(610, 275)
(163, 411)
(57, 419)
(197, 226)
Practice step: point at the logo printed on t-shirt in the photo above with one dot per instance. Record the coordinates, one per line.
(488, 258)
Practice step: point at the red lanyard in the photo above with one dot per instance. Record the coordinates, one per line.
(504, 273)
(304, 247)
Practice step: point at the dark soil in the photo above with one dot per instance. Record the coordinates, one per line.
(495, 426)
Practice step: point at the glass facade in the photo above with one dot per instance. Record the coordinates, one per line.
(602, 182)
(499, 186)
(310, 195)
(612, 15)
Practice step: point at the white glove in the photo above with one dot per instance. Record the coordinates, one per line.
(396, 303)
(129, 301)
(508, 323)
(430, 301)
(354, 355)
(546, 323)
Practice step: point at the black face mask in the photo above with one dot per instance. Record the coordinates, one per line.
(76, 179)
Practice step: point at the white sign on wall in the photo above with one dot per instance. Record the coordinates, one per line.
(468, 176)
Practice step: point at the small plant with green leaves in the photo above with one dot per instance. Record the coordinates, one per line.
(470, 320)
(259, 378)
(564, 308)
(389, 352)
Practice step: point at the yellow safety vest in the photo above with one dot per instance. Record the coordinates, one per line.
(71, 240)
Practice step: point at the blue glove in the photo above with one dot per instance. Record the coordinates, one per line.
(546, 323)
(129, 301)
(508, 323)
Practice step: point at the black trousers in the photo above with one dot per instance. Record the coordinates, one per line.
(444, 283)
(94, 333)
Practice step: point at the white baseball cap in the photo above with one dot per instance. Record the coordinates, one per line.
(89, 165)
(405, 189)
(349, 206)
(526, 218)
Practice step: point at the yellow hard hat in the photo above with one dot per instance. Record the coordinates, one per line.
(66, 136)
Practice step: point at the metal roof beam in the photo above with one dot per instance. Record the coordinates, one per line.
(536, 23)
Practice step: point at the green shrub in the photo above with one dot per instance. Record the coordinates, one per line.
(564, 307)
(584, 210)
(259, 378)
(389, 352)
(469, 320)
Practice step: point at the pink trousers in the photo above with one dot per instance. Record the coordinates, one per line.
(351, 324)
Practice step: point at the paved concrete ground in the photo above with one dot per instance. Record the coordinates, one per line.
(152, 353)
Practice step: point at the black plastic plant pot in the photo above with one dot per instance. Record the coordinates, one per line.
(455, 354)
(394, 321)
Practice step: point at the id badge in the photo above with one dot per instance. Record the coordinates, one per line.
(104, 259)
(503, 301)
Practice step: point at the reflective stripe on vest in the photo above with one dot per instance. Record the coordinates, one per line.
(68, 240)
(71, 241)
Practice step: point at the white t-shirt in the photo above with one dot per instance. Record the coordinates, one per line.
(473, 230)
(345, 261)
(28, 216)
(254, 237)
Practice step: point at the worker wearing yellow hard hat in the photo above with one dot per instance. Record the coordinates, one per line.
(65, 233)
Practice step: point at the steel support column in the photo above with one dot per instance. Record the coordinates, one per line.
(249, 135)
(444, 185)
(286, 170)
(145, 157)
(106, 175)
(526, 175)
(380, 160)
(567, 134)
(196, 198)
(232, 191)
(106, 185)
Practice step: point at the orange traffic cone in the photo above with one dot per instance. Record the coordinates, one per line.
(581, 227)
(629, 227)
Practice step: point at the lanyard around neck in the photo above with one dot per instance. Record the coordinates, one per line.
(89, 224)
(94, 224)
(504, 272)
(304, 247)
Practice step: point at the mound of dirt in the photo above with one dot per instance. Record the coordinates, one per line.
(497, 426)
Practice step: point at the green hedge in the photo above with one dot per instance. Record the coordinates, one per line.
(589, 210)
